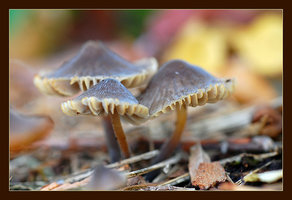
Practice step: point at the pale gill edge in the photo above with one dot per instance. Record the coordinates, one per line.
(212, 94)
(48, 86)
(91, 105)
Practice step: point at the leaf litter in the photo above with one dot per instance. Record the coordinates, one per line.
(201, 164)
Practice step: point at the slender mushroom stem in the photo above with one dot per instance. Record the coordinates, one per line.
(169, 146)
(120, 134)
(111, 140)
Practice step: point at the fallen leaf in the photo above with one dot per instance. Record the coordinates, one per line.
(27, 129)
(197, 156)
(208, 174)
(270, 120)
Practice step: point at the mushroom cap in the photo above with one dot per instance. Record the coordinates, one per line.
(93, 63)
(25, 130)
(104, 98)
(178, 82)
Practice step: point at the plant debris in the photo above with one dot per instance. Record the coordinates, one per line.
(269, 121)
(208, 174)
(233, 145)
(266, 177)
(204, 174)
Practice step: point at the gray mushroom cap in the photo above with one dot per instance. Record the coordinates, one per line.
(93, 63)
(178, 82)
(106, 97)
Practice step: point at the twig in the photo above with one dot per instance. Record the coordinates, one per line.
(177, 180)
(167, 188)
(169, 161)
(82, 178)
(163, 176)
(134, 159)
(239, 182)
(157, 188)
(76, 177)
(79, 177)
(186, 176)
(240, 156)
(230, 122)
(75, 185)
(229, 179)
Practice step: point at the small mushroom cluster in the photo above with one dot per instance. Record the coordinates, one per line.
(104, 77)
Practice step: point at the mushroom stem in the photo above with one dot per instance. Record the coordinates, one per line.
(111, 140)
(168, 147)
(120, 134)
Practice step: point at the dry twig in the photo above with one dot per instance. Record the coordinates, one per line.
(228, 123)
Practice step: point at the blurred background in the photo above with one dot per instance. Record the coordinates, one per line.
(230, 43)
(243, 44)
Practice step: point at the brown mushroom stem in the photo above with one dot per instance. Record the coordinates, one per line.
(120, 134)
(111, 140)
(168, 147)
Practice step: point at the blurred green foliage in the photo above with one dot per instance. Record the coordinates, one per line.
(17, 19)
(132, 22)
(129, 22)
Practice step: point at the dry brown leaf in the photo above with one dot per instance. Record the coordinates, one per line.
(270, 120)
(197, 157)
(208, 174)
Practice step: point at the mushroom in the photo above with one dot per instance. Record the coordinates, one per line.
(95, 62)
(108, 98)
(25, 130)
(176, 85)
